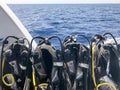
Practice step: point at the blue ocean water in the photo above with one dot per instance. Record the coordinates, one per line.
(64, 20)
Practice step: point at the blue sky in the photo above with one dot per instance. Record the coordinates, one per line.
(60, 1)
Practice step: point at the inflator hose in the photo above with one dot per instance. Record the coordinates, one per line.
(93, 73)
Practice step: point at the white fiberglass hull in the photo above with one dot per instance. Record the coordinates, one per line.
(10, 25)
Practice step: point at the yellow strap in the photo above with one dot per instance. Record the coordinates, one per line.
(8, 75)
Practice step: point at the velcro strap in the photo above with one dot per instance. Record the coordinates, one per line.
(84, 65)
(58, 64)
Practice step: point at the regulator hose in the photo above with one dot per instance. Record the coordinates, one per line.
(93, 73)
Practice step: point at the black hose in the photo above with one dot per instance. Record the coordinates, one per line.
(58, 39)
(62, 54)
(27, 41)
(37, 37)
(66, 39)
(62, 48)
(84, 37)
(111, 36)
(99, 37)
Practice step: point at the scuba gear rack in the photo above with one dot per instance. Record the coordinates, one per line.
(75, 65)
